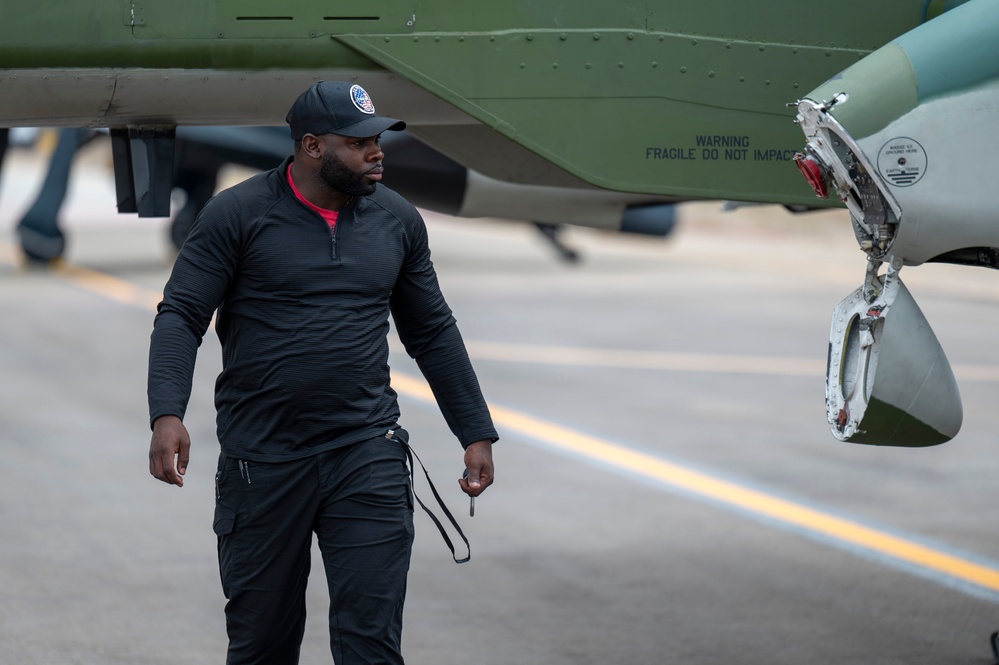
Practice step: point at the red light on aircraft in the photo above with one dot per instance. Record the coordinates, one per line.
(843, 418)
(812, 172)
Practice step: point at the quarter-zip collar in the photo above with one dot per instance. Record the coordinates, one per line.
(329, 215)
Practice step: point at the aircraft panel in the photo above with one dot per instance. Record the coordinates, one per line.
(942, 68)
(818, 24)
(569, 97)
(112, 97)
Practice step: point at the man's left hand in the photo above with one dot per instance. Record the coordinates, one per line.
(479, 462)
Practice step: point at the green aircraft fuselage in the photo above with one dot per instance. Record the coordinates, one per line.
(666, 99)
(661, 97)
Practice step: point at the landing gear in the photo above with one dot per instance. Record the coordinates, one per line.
(41, 238)
(143, 170)
(551, 232)
(994, 642)
(3, 143)
(149, 163)
(180, 225)
(199, 185)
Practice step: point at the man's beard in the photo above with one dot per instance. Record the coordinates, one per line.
(336, 174)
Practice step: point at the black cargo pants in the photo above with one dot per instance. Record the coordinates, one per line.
(357, 501)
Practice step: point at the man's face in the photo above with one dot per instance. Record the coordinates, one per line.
(351, 165)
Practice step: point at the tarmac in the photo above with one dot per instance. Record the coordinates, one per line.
(667, 487)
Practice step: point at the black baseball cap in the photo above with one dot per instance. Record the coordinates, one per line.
(337, 107)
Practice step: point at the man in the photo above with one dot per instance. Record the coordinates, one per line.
(304, 264)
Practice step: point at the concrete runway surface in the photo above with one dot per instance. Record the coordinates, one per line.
(667, 487)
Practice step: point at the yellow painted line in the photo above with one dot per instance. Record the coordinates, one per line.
(626, 459)
(678, 362)
(657, 360)
(102, 284)
(10, 254)
(541, 354)
(981, 373)
(107, 286)
(729, 493)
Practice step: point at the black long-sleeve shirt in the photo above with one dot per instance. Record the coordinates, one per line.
(303, 319)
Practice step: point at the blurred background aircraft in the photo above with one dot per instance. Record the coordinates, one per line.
(615, 107)
(426, 177)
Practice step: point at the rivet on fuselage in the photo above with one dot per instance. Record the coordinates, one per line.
(563, 36)
(596, 36)
(530, 37)
(620, 64)
(683, 70)
(711, 74)
(631, 35)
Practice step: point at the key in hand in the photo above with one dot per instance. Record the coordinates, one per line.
(471, 500)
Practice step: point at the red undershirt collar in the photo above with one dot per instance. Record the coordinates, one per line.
(329, 215)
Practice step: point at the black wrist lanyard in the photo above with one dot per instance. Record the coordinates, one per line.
(410, 454)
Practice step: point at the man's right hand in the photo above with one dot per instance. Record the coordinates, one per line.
(169, 450)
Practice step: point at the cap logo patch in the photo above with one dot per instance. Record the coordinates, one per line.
(361, 100)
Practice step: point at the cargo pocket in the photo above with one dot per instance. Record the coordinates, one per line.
(225, 521)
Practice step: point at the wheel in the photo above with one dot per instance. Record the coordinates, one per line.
(180, 227)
